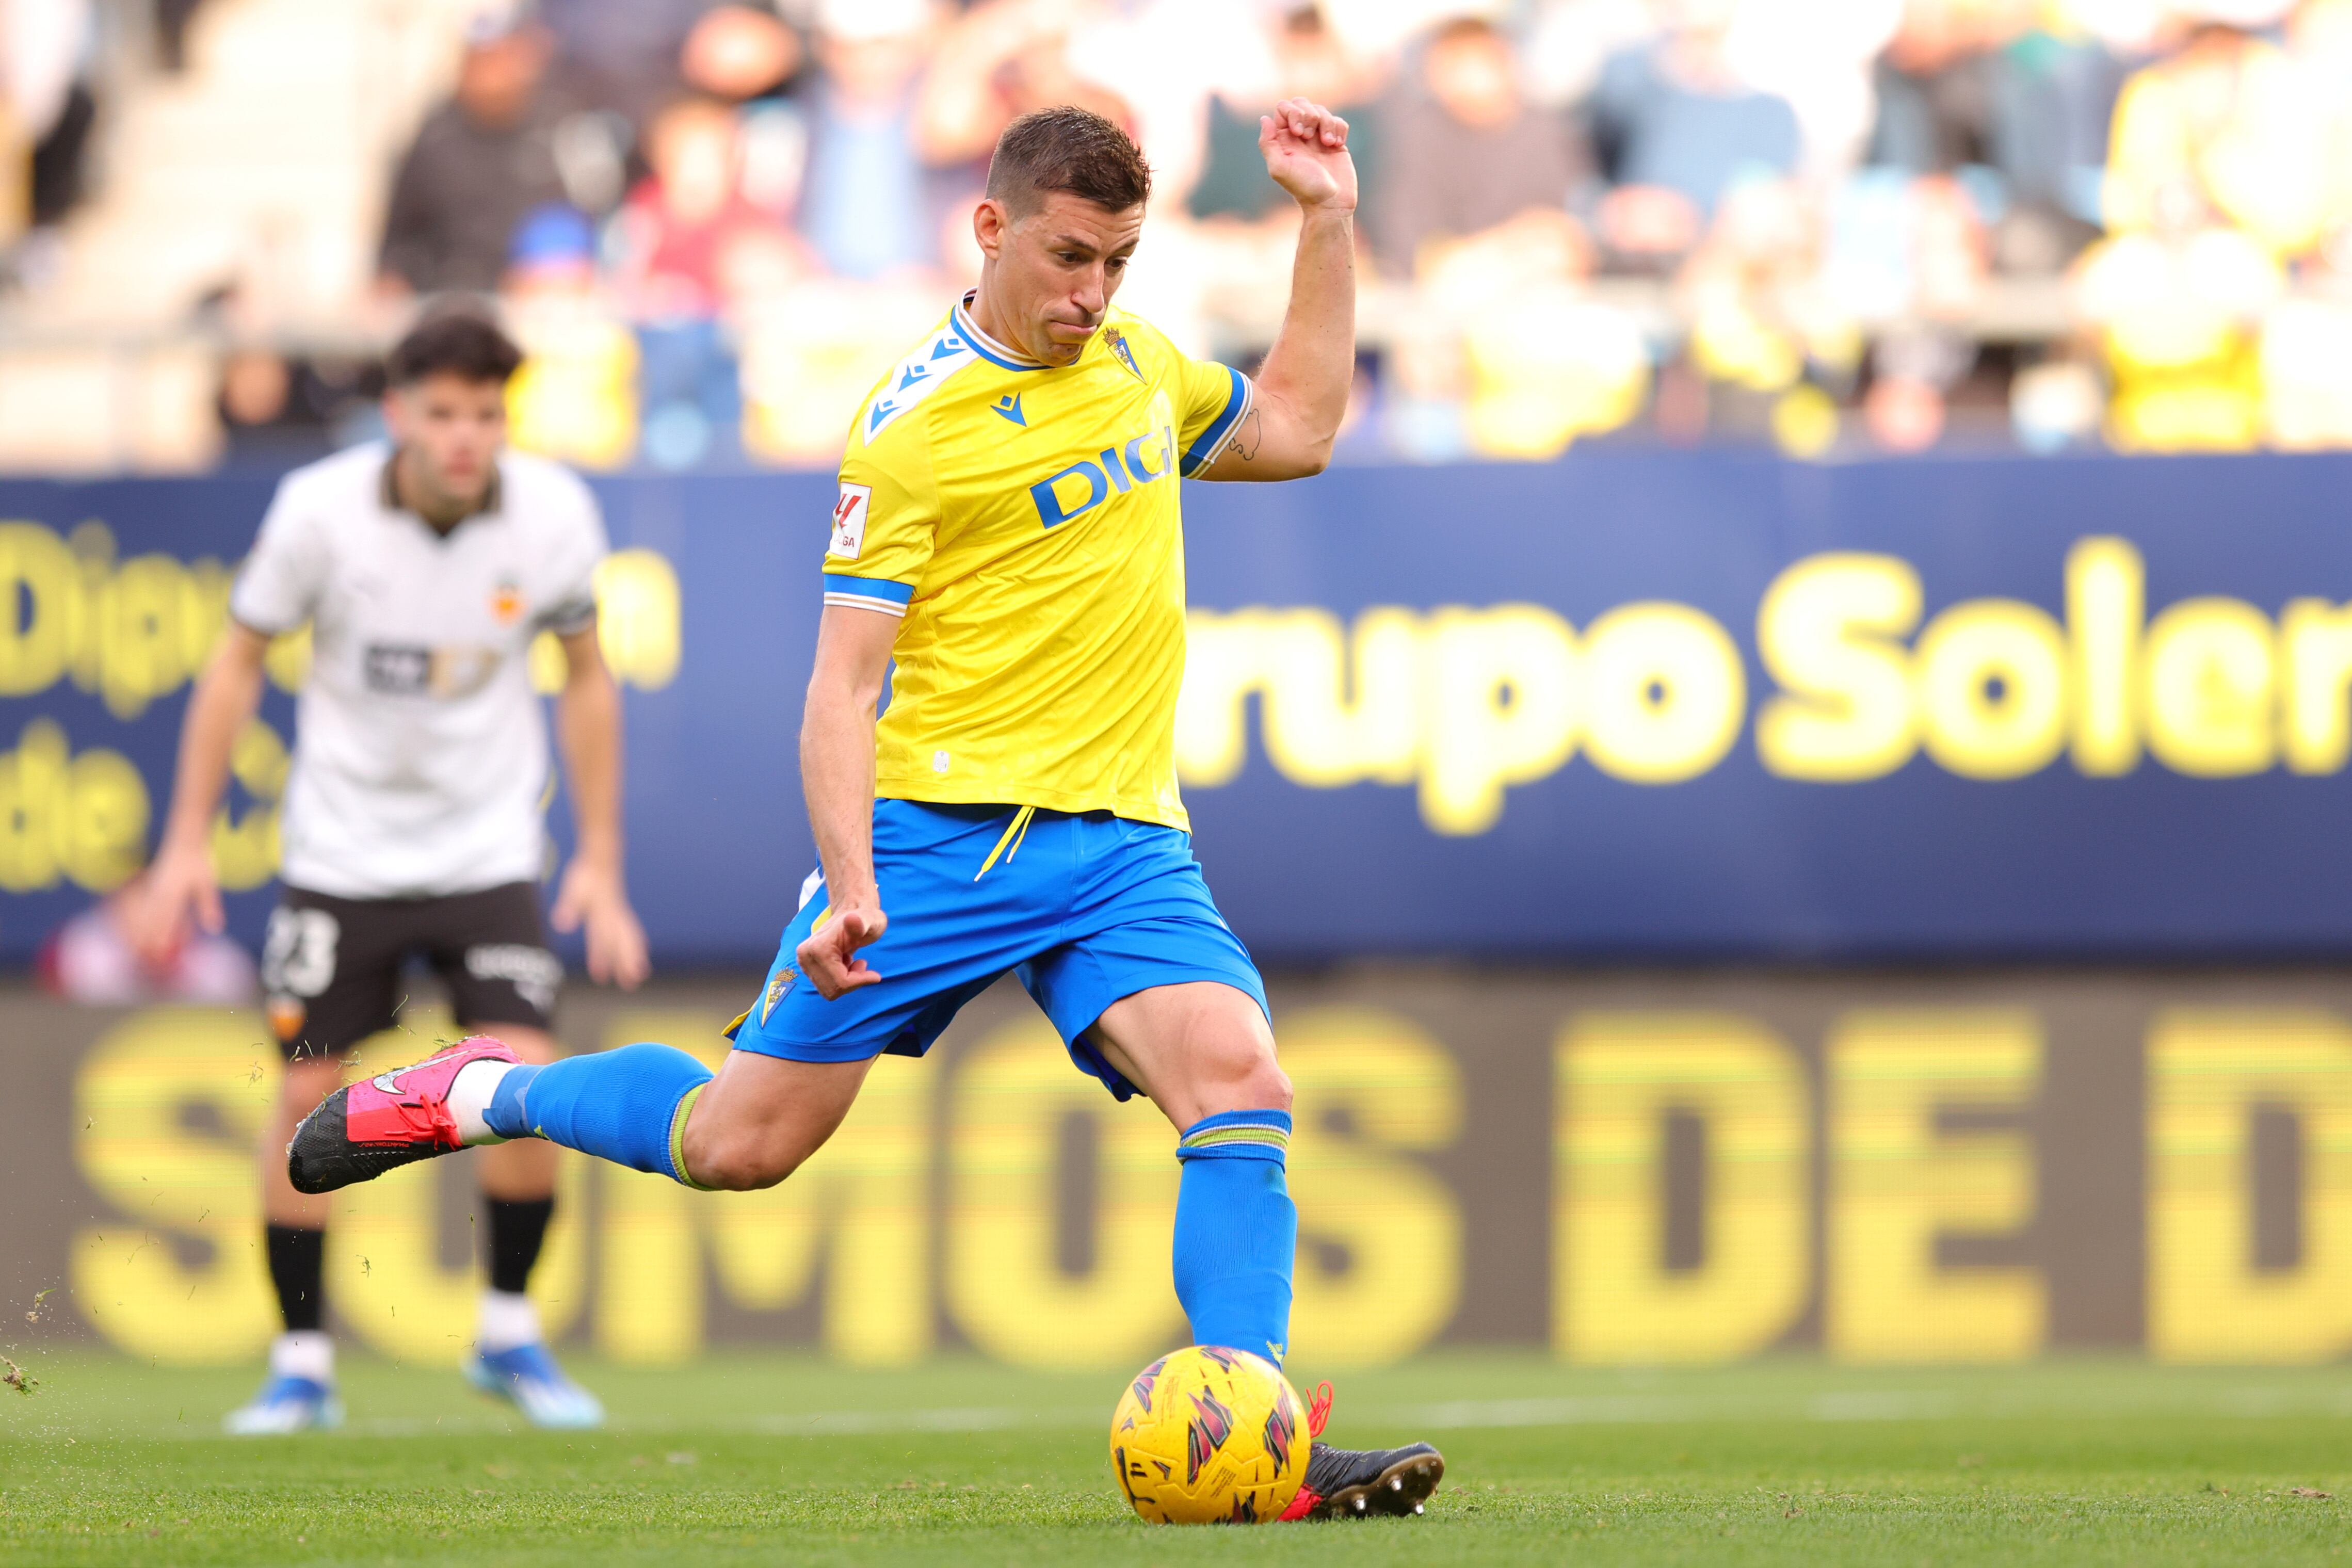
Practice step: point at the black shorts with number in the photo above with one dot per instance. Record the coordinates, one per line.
(331, 967)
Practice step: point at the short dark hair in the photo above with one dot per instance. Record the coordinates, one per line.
(1067, 148)
(462, 343)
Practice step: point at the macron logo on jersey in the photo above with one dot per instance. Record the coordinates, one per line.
(849, 521)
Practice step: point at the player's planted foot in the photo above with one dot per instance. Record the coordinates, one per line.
(529, 1375)
(1356, 1483)
(286, 1403)
(395, 1118)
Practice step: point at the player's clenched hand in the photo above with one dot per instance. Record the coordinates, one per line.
(178, 885)
(1306, 149)
(592, 894)
(829, 957)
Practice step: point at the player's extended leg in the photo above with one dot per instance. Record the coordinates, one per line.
(1207, 1061)
(639, 1106)
(510, 1357)
(300, 1390)
(763, 1116)
(1203, 1052)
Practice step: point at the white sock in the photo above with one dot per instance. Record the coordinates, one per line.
(508, 1320)
(307, 1354)
(469, 1100)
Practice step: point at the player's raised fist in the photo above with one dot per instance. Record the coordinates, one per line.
(829, 957)
(1306, 148)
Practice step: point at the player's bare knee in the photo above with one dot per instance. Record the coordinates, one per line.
(1243, 1076)
(1268, 1086)
(745, 1164)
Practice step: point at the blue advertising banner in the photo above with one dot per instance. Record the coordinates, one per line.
(1633, 705)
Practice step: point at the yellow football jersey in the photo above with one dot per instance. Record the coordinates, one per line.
(1024, 520)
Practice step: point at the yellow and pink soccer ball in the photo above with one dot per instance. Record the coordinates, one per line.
(1210, 1436)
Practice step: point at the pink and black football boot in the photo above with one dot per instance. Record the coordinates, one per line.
(395, 1118)
(1357, 1483)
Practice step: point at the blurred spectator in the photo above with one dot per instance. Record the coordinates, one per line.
(2226, 131)
(737, 52)
(678, 232)
(90, 960)
(1468, 151)
(480, 161)
(575, 397)
(1763, 311)
(1567, 42)
(276, 412)
(1310, 62)
(1002, 59)
(1902, 246)
(634, 55)
(1970, 86)
(1544, 364)
(171, 20)
(678, 222)
(865, 207)
(46, 114)
(1676, 126)
(2179, 316)
(1160, 60)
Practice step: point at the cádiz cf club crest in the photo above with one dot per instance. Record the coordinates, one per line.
(779, 984)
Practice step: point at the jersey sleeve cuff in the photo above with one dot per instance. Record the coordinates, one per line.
(1219, 434)
(868, 594)
(260, 625)
(569, 619)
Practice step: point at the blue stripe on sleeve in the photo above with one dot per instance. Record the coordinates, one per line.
(1205, 445)
(878, 592)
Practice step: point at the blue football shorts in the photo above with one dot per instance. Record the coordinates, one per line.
(1087, 909)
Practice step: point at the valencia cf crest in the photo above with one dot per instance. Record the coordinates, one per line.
(1118, 342)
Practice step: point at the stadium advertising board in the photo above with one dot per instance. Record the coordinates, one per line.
(1626, 706)
(1645, 1169)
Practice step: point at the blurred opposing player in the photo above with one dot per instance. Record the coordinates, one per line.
(1008, 531)
(411, 826)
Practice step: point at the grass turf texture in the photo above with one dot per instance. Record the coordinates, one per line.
(770, 1459)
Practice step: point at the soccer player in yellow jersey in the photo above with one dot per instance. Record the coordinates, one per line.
(1008, 532)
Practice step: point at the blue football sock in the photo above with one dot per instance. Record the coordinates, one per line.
(628, 1106)
(1237, 1231)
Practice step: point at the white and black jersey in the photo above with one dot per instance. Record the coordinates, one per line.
(421, 754)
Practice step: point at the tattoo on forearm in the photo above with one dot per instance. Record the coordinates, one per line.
(1247, 438)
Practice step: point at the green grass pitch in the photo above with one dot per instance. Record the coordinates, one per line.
(779, 1458)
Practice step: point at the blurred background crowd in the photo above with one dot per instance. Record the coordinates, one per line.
(1835, 226)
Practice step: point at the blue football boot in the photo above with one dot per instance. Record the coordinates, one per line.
(286, 1405)
(529, 1375)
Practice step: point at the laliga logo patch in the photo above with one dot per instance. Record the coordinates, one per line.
(849, 521)
(779, 984)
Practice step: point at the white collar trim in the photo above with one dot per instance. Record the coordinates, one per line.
(971, 328)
